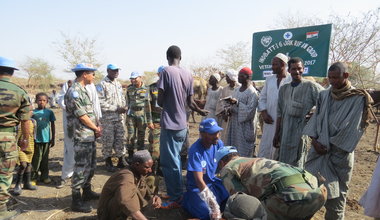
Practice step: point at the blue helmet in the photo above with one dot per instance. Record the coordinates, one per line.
(223, 151)
(4, 62)
(160, 69)
(83, 67)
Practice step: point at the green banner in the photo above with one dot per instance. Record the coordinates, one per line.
(310, 43)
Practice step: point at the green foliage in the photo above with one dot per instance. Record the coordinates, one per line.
(39, 73)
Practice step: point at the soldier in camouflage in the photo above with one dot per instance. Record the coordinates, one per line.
(154, 134)
(14, 109)
(287, 192)
(82, 127)
(113, 105)
(139, 114)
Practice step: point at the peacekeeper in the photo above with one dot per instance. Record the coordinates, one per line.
(139, 114)
(154, 134)
(82, 127)
(287, 192)
(128, 192)
(14, 109)
(241, 206)
(113, 105)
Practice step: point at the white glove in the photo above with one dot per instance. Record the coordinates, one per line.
(213, 207)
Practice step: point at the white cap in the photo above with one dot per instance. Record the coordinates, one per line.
(282, 57)
(232, 74)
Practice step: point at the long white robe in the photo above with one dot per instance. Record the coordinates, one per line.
(211, 101)
(269, 101)
(241, 127)
(371, 198)
(221, 106)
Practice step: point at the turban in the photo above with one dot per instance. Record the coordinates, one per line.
(282, 57)
(232, 74)
(217, 76)
(246, 71)
(141, 155)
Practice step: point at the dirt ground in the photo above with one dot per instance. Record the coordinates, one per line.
(50, 203)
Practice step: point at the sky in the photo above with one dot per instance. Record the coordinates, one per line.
(136, 34)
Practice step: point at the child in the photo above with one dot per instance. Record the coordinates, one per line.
(44, 138)
(25, 158)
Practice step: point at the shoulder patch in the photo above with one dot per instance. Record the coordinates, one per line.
(99, 88)
(75, 94)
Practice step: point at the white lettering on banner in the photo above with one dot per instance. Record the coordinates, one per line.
(265, 67)
(267, 73)
(309, 62)
(309, 49)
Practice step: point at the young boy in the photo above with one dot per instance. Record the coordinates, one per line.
(25, 158)
(44, 138)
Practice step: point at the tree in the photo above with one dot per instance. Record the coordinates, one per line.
(354, 40)
(39, 72)
(235, 56)
(74, 50)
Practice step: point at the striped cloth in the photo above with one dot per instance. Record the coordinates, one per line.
(336, 125)
(27, 154)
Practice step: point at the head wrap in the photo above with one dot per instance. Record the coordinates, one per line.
(217, 76)
(246, 71)
(141, 156)
(282, 57)
(232, 74)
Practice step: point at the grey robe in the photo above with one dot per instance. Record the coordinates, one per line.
(294, 103)
(336, 125)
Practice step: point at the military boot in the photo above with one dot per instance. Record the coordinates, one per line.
(88, 194)
(109, 165)
(77, 205)
(5, 214)
(27, 183)
(17, 190)
(122, 162)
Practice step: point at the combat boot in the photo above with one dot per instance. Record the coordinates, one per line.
(109, 165)
(17, 190)
(5, 214)
(122, 162)
(77, 204)
(88, 194)
(27, 183)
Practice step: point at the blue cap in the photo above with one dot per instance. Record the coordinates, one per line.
(83, 67)
(223, 151)
(4, 62)
(134, 75)
(160, 69)
(112, 67)
(209, 125)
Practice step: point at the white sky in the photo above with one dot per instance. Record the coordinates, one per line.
(136, 34)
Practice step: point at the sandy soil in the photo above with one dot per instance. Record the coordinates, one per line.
(50, 203)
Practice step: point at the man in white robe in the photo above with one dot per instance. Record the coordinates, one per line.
(268, 105)
(222, 106)
(295, 101)
(241, 127)
(335, 129)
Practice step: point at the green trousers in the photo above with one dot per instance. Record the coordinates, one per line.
(40, 161)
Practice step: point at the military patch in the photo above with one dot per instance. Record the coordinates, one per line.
(75, 94)
(99, 88)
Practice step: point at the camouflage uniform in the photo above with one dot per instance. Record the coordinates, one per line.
(14, 108)
(111, 97)
(286, 192)
(154, 135)
(78, 103)
(138, 116)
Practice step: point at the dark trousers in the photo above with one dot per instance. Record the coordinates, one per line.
(40, 161)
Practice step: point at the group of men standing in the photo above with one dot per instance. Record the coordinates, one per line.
(339, 116)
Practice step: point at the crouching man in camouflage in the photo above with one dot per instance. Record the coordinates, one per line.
(287, 192)
(82, 127)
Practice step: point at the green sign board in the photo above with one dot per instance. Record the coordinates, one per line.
(310, 43)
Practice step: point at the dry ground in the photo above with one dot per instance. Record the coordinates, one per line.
(51, 203)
